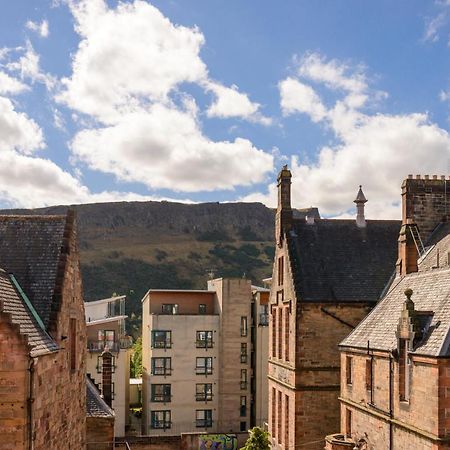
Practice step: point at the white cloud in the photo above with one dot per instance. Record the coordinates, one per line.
(28, 66)
(334, 74)
(128, 66)
(375, 150)
(40, 28)
(10, 85)
(164, 148)
(230, 102)
(299, 97)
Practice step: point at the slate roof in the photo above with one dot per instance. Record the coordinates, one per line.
(95, 405)
(337, 261)
(30, 248)
(431, 292)
(11, 302)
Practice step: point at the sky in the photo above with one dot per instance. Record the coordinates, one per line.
(205, 100)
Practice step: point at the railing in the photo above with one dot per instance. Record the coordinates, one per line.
(203, 370)
(202, 343)
(161, 425)
(162, 344)
(161, 398)
(161, 371)
(203, 423)
(112, 346)
(203, 397)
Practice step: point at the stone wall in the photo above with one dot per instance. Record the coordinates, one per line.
(100, 433)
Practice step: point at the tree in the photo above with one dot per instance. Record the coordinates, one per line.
(136, 359)
(259, 439)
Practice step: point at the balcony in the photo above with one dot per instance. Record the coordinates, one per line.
(112, 346)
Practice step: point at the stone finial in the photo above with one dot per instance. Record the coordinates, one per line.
(360, 200)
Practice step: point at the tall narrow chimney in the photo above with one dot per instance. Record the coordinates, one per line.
(360, 200)
(283, 219)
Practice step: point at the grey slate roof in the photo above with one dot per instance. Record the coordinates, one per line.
(431, 292)
(30, 248)
(336, 261)
(11, 302)
(95, 405)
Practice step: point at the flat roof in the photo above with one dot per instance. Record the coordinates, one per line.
(105, 320)
(105, 300)
(185, 291)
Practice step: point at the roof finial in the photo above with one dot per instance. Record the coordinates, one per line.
(360, 200)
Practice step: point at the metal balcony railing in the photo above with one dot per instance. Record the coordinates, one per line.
(203, 423)
(112, 346)
(203, 397)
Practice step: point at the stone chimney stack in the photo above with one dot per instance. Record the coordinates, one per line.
(425, 202)
(424, 207)
(360, 200)
(283, 219)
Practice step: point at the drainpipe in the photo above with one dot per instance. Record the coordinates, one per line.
(391, 431)
(30, 401)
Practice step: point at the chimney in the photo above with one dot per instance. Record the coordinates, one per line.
(424, 202)
(360, 200)
(107, 383)
(283, 219)
(424, 207)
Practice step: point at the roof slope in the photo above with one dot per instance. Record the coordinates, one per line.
(337, 261)
(13, 304)
(30, 248)
(95, 405)
(431, 292)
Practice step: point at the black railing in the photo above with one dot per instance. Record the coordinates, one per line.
(202, 343)
(161, 424)
(203, 370)
(161, 398)
(203, 397)
(162, 344)
(161, 371)
(203, 423)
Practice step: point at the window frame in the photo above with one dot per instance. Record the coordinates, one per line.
(165, 396)
(166, 343)
(206, 369)
(207, 342)
(244, 326)
(166, 424)
(203, 422)
(205, 394)
(166, 370)
(244, 353)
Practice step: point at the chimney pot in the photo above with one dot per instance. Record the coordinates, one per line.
(417, 177)
(442, 177)
(435, 177)
(427, 177)
(410, 176)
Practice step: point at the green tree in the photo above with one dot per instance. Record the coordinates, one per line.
(259, 439)
(136, 359)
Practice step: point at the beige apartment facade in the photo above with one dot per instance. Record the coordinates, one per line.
(198, 356)
(106, 338)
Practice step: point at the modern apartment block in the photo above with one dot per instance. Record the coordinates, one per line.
(108, 359)
(199, 358)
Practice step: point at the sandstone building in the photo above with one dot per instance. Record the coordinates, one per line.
(107, 342)
(204, 366)
(42, 335)
(327, 276)
(395, 377)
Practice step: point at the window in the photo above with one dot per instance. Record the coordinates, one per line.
(280, 331)
(204, 366)
(348, 369)
(161, 366)
(369, 374)
(243, 408)
(404, 368)
(286, 334)
(161, 420)
(161, 393)
(203, 392)
(73, 344)
(202, 308)
(100, 364)
(274, 332)
(280, 270)
(204, 339)
(264, 315)
(170, 308)
(243, 426)
(243, 378)
(161, 339)
(244, 329)
(243, 352)
(279, 417)
(286, 421)
(203, 418)
(348, 422)
(106, 339)
(274, 411)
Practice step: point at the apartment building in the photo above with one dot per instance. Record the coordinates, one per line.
(108, 358)
(200, 357)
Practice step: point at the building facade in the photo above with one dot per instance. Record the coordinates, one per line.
(320, 291)
(105, 322)
(395, 378)
(42, 334)
(197, 355)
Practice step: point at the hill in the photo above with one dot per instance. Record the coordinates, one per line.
(129, 247)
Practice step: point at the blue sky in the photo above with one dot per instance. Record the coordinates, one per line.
(205, 100)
